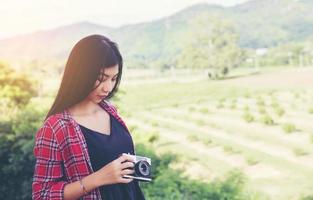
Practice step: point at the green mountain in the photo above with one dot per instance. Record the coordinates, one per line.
(259, 24)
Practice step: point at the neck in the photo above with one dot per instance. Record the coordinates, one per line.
(85, 108)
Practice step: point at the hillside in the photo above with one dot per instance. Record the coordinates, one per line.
(259, 23)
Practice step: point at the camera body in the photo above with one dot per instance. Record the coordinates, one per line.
(142, 169)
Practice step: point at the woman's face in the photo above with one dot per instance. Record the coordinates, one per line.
(106, 81)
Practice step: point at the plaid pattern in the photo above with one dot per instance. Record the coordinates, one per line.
(61, 155)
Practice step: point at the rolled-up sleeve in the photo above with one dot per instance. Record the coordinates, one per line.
(48, 180)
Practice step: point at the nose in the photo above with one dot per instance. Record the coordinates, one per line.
(107, 86)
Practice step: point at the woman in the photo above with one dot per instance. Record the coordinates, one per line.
(78, 147)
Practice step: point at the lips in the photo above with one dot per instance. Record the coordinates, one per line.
(102, 96)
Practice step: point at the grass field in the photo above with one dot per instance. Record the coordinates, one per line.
(260, 124)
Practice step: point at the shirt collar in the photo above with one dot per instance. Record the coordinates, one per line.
(65, 114)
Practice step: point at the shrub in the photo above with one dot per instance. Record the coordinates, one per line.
(267, 120)
(132, 128)
(153, 137)
(207, 141)
(311, 110)
(16, 155)
(246, 108)
(280, 111)
(262, 110)
(230, 149)
(220, 105)
(289, 127)
(154, 123)
(222, 100)
(247, 95)
(191, 108)
(275, 105)
(248, 117)
(260, 102)
(310, 197)
(193, 137)
(233, 106)
(16, 88)
(201, 122)
(171, 184)
(299, 152)
(252, 161)
(175, 105)
(204, 110)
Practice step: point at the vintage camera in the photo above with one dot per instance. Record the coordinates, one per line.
(142, 169)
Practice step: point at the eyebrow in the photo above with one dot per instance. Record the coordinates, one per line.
(106, 75)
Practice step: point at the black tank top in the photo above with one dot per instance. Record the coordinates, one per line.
(105, 148)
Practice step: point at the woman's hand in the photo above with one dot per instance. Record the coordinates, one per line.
(113, 172)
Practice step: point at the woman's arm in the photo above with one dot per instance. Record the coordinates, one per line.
(48, 173)
(111, 173)
(75, 191)
(48, 180)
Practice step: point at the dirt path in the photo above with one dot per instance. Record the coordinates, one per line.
(288, 77)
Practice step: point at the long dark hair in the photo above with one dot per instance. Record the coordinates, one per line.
(82, 69)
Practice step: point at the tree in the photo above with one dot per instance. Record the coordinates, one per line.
(16, 89)
(211, 44)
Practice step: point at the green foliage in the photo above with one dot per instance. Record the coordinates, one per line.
(16, 155)
(229, 149)
(262, 110)
(260, 102)
(247, 95)
(207, 141)
(133, 128)
(289, 127)
(193, 137)
(153, 137)
(289, 54)
(299, 152)
(267, 120)
(175, 105)
(201, 122)
(251, 160)
(191, 108)
(275, 104)
(204, 110)
(296, 95)
(220, 105)
(310, 197)
(154, 123)
(279, 111)
(212, 45)
(246, 108)
(171, 184)
(311, 110)
(233, 106)
(15, 88)
(248, 117)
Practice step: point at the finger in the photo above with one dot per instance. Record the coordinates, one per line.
(127, 165)
(128, 171)
(126, 157)
(126, 180)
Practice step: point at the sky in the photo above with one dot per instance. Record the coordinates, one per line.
(25, 16)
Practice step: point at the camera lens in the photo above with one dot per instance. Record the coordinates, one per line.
(142, 168)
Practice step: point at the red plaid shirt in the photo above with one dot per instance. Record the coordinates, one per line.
(61, 155)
